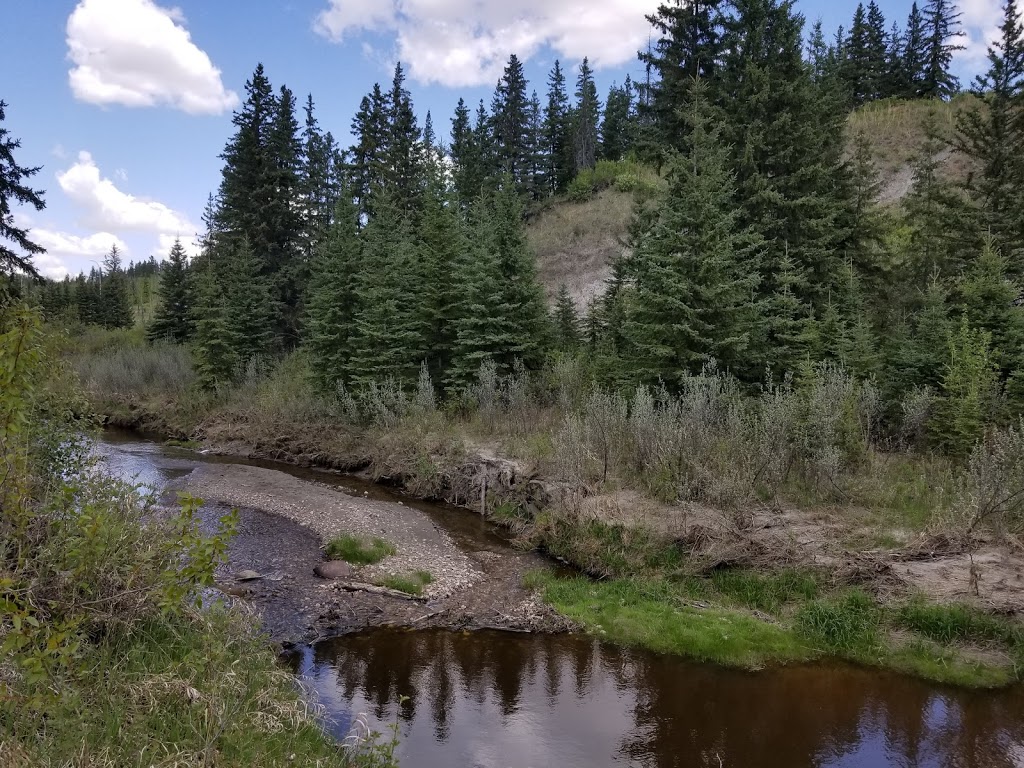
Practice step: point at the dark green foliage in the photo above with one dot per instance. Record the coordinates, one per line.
(512, 125)
(556, 134)
(402, 156)
(968, 391)
(695, 268)
(116, 306)
(941, 33)
(914, 56)
(332, 303)
(566, 322)
(370, 128)
(618, 130)
(14, 191)
(586, 116)
(993, 133)
(174, 317)
(847, 623)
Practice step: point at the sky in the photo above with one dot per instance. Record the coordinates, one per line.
(126, 104)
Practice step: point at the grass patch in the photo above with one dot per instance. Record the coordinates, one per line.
(765, 592)
(659, 616)
(358, 552)
(411, 584)
(956, 622)
(847, 623)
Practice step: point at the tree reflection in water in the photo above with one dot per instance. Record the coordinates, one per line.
(492, 699)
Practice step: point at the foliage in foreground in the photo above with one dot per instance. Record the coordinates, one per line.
(111, 652)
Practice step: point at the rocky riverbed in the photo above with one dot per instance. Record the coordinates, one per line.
(284, 523)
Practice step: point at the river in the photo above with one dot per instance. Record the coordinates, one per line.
(518, 700)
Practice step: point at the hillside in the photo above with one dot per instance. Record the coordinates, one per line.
(575, 242)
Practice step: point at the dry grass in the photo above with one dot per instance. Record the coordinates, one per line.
(575, 243)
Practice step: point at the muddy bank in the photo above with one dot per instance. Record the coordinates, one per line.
(285, 522)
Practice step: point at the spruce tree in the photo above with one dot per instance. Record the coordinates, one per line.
(566, 322)
(689, 46)
(174, 315)
(616, 129)
(914, 60)
(511, 124)
(857, 65)
(942, 30)
(282, 263)
(14, 190)
(370, 128)
(695, 268)
(557, 139)
(332, 305)
(943, 225)
(316, 184)
(992, 134)
(585, 119)
(392, 319)
(483, 319)
(117, 305)
(968, 391)
(250, 303)
(215, 344)
(402, 156)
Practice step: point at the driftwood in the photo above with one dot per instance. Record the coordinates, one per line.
(373, 589)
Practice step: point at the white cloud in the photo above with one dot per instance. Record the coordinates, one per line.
(138, 54)
(466, 42)
(980, 20)
(67, 254)
(105, 207)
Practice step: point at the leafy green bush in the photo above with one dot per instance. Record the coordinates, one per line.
(357, 551)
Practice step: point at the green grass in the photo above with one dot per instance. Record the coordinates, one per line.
(411, 584)
(708, 620)
(357, 551)
(661, 617)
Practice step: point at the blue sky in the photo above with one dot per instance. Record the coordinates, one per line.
(127, 103)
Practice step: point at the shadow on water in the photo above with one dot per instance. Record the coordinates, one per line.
(518, 701)
(491, 699)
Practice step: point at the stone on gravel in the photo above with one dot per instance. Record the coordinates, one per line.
(334, 569)
(248, 575)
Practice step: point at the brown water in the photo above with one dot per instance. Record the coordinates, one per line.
(523, 701)
(491, 699)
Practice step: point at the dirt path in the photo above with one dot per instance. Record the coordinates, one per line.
(285, 520)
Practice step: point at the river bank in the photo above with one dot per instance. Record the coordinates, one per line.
(886, 579)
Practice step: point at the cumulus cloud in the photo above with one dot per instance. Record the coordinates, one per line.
(67, 253)
(138, 54)
(466, 42)
(980, 20)
(105, 207)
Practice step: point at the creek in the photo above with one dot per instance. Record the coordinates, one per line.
(520, 700)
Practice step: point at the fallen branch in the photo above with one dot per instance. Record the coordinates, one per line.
(373, 589)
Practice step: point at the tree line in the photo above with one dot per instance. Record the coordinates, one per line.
(765, 252)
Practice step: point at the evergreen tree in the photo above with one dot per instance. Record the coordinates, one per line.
(695, 288)
(968, 391)
(510, 118)
(332, 306)
(117, 305)
(13, 189)
(992, 134)
(282, 263)
(585, 118)
(402, 155)
(392, 319)
(370, 128)
(942, 224)
(557, 139)
(483, 320)
(942, 30)
(914, 61)
(858, 67)
(790, 140)
(316, 184)
(689, 46)
(216, 356)
(566, 322)
(616, 129)
(250, 307)
(536, 183)
(174, 316)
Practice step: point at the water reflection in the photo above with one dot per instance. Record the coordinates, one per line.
(489, 699)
